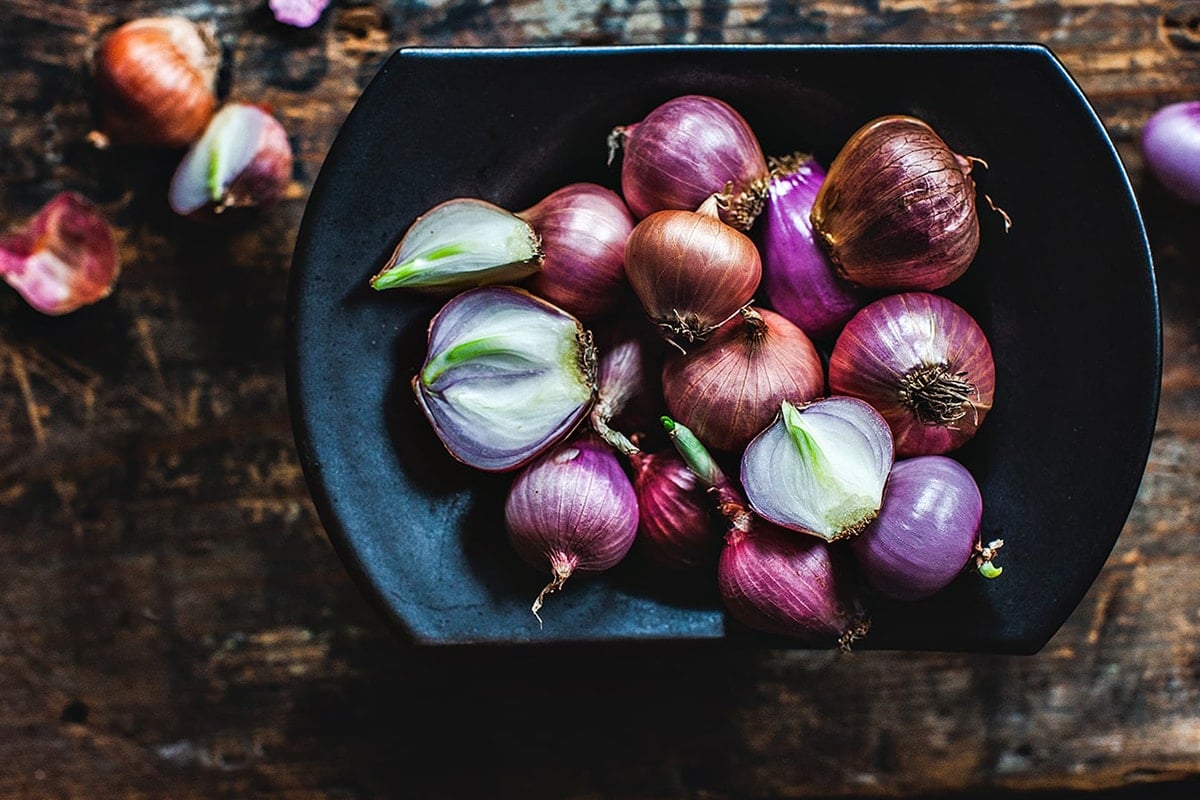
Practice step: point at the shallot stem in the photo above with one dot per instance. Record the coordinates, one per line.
(983, 558)
(730, 501)
(613, 438)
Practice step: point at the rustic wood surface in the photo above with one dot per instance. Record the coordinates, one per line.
(175, 624)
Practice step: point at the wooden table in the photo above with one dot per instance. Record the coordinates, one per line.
(175, 624)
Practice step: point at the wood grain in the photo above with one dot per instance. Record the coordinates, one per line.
(173, 622)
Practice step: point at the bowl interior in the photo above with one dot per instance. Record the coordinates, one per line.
(1058, 460)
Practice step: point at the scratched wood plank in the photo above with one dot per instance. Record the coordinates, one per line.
(173, 622)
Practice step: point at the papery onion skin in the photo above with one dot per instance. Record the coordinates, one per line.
(571, 510)
(925, 532)
(728, 389)
(897, 209)
(686, 149)
(497, 397)
(1171, 146)
(63, 258)
(691, 271)
(583, 229)
(899, 342)
(777, 582)
(677, 527)
(799, 280)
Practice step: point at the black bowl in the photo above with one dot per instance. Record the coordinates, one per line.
(1067, 299)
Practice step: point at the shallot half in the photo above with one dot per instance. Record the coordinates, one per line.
(506, 376)
(820, 468)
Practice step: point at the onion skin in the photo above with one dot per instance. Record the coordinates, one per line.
(676, 525)
(904, 339)
(691, 271)
(897, 209)
(64, 257)
(572, 510)
(1171, 145)
(686, 149)
(778, 582)
(729, 389)
(583, 229)
(926, 531)
(799, 280)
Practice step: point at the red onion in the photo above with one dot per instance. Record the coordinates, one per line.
(730, 388)
(778, 582)
(506, 376)
(676, 527)
(583, 229)
(770, 579)
(572, 510)
(798, 279)
(63, 258)
(686, 149)
(820, 469)
(1171, 145)
(926, 530)
(691, 271)
(923, 363)
(897, 210)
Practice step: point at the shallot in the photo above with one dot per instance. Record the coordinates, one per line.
(924, 363)
(572, 510)
(686, 149)
(897, 209)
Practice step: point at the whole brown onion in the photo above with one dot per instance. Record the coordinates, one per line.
(730, 388)
(691, 271)
(897, 208)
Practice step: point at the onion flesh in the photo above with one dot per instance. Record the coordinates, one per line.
(820, 469)
(506, 376)
(459, 244)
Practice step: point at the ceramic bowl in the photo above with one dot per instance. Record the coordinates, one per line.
(1067, 299)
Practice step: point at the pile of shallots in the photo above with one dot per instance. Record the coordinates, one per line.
(706, 431)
